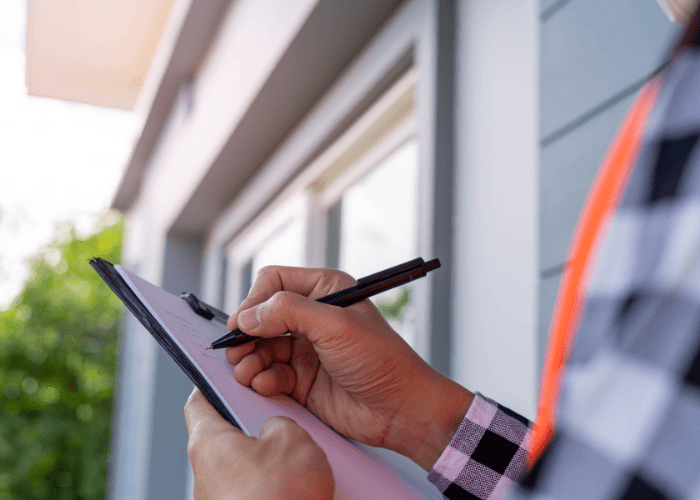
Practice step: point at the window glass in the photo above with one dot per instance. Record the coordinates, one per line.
(378, 219)
(377, 228)
(284, 248)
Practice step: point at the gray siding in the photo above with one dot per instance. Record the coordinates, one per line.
(594, 56)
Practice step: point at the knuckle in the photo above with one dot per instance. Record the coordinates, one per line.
(284, 307)
(284, 425)
(284, 379)
(264, 358)
(191, 398)
(262, 272)
(281, 300)
(288, 378)
(190, 406)
(266, 273)
(298, 435)
(281, 303)
(193, 449)
(280, 428)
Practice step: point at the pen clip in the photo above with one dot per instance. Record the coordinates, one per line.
(202, 309)
(388, 273)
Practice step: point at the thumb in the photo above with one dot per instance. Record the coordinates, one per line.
(285, 430)
(278, 425)
(201, 417)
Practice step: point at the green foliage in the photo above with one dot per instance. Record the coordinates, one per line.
(58, 346)
(395, 309)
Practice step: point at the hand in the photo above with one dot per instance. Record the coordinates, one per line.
(284, 463)
(345, 364)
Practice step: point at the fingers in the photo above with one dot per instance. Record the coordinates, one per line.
(226, 462)
(286, 365)
(280, 378)
(266, 369)
(234, 355)
(313, 283)
(251, 359)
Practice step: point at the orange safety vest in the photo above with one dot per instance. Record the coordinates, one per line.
(598, 209)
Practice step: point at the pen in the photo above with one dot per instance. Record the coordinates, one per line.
(365, 288)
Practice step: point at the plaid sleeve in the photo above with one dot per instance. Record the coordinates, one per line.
(486, 456)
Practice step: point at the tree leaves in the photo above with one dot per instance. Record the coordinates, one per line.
(58, 347)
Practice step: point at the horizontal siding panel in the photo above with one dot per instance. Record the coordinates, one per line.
(545, 5)
(592, 49)
(548, 289)
(567, 169)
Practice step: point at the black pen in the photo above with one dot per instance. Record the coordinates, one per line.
(365, 288)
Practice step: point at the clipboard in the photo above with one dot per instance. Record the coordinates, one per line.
(361, 472)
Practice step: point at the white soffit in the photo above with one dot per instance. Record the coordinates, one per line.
(96, 52)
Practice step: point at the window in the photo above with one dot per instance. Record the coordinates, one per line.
(354, 207)
(277, 238)
(377, 214)
(375, 220)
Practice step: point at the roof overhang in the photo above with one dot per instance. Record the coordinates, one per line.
(313, 60)
(186, 40)
(96, 52)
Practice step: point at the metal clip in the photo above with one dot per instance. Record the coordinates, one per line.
(204, 310)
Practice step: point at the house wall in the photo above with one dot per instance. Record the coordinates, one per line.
(495, 347)
(516, 102)
(211, 105)
(594, 55)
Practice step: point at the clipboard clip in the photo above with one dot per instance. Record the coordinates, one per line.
(203, 309)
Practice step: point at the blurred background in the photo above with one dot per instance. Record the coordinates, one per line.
(59, 164)
(196, 141)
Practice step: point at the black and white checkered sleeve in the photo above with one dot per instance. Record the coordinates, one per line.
(486, 456)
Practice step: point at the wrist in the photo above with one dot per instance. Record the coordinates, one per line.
(426, 424)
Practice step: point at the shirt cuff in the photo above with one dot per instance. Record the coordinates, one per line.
(487, 455)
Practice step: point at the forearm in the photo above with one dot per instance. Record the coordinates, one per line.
(424, 426)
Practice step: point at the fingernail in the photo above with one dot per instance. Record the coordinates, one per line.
(249, 318)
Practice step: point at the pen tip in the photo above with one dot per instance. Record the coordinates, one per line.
(210, 347)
